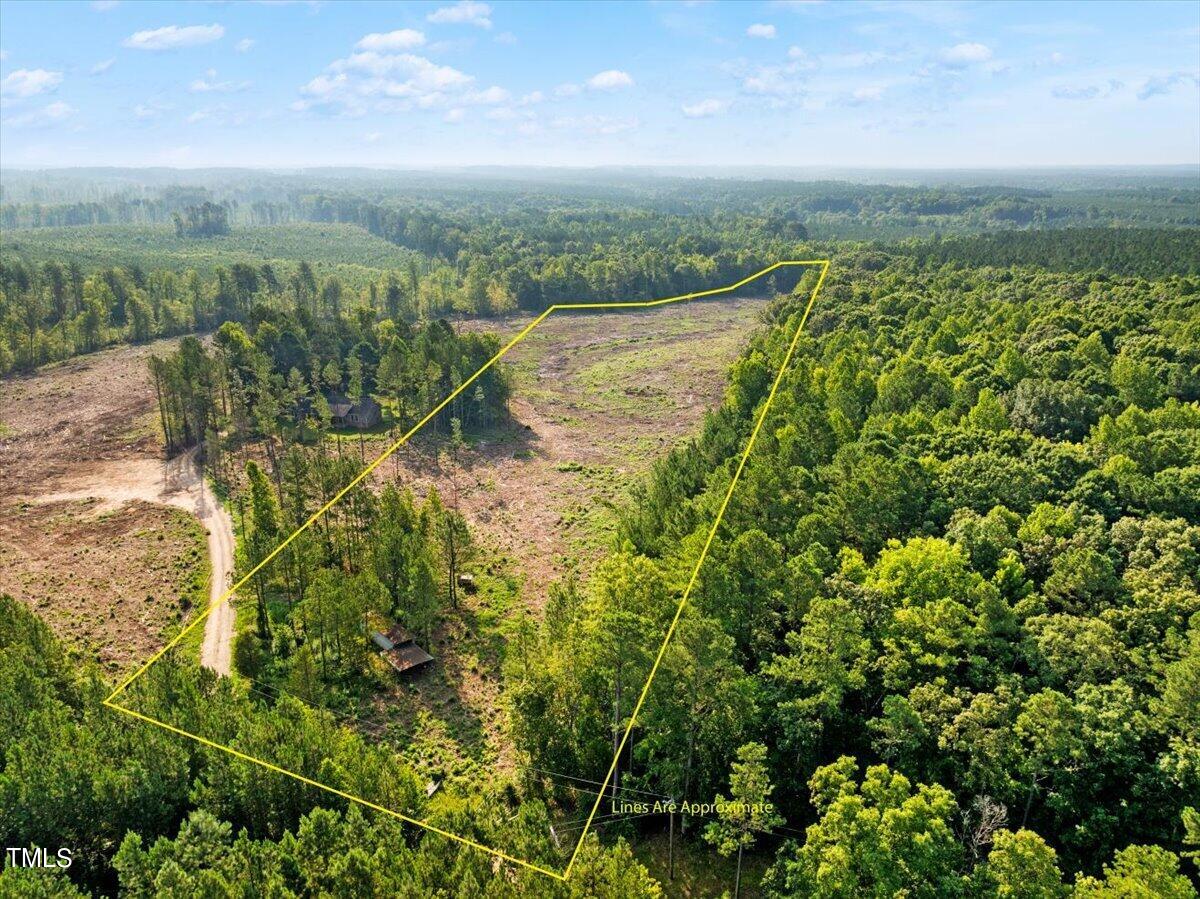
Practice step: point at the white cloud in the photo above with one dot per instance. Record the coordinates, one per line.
(465, 12)
(50, 114)
(1164, 84)
(423, 73)
(759, 30)
(1087, 91)
(244, 45)
(523, 119)
(323, 86)
(220, 114)
(210, 85)
(773, 81)
(104, 5)
(567, 90)
(611, 79)
(401, 39)
(396, 82)
(172, 37)
(489, 97)
(454, 116)
(531, 98)
(505, 37)
(705, 108)
(966, 53)
(29, 83)
(781, 82)
(373, 137)
(101, 67)
(800, 60)
(58, 110)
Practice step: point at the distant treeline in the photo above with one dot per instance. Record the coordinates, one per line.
(442, 207)
(1144, 252)
(527, 262)
(111, 209)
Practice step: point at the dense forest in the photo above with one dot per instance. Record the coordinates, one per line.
(947, 636)
(962, 559)
(157, 816)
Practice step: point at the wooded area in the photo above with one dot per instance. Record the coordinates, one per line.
(949, 628)
(492, 251)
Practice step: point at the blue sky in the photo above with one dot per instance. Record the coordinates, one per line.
(884, 84)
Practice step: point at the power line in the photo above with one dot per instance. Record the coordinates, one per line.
(595, 783)
(379, 730)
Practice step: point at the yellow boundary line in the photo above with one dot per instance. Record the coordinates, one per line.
(645, 304)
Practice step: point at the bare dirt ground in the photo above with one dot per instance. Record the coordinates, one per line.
(84, 485)
(596, 400)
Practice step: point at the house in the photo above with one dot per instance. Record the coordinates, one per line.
(350, 414)
(400, 650)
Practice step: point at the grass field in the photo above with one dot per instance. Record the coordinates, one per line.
(329, 247)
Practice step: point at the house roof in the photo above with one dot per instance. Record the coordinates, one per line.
(342, 406)
(400, 650)
(410, 655)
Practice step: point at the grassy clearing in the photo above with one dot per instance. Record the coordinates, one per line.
(596, 398)
(324, 246)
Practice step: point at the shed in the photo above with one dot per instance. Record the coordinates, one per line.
(400, 649)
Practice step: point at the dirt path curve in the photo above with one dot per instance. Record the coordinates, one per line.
(177, 482)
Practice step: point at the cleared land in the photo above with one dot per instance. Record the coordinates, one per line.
(98, 533)
(597, 398)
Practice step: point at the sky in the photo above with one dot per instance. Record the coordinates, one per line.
(866, 84)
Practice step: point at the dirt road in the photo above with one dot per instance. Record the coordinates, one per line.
(177, 482)
(84, 432)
